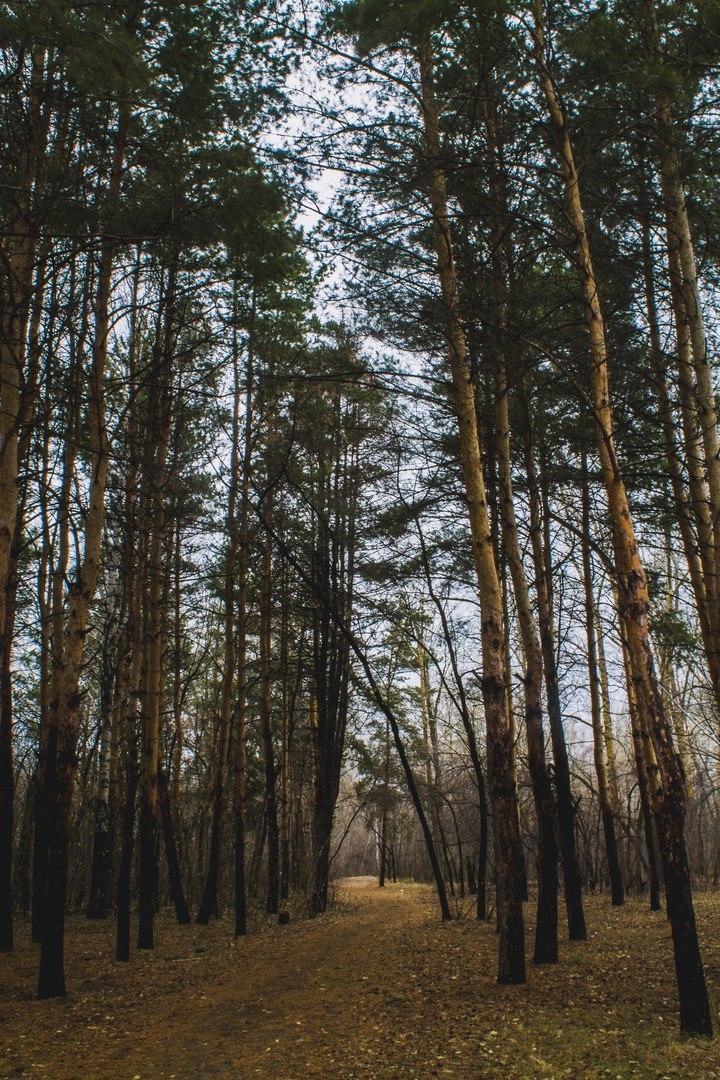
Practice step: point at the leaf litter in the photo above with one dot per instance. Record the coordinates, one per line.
(377, 987)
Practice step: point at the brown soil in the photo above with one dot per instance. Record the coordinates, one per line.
(379, 987)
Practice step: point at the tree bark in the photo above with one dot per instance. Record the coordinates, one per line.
(273, 835)
(545, 808)
(177, 893)
(209, 902)
(60, 760)
(606, 808)
(511, 960)
(243, 562)
(667, 785)
(154, 481)
(18, 251)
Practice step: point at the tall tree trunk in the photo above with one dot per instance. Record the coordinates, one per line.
(542, 561)
(59, 752)
(132, 575)
(511, 961)
(102, 841)
(642, 751)
(545, 809)
(243, 562)
(127, 825)
(667, 785)
(461, 704)
(177, 893)
(692, 506)
(209, 902)
(336, 486)
(283, 915)
(154, 480)
(687, 306)
(18, 250)
(384, 813)
(507, 306)
(273, 838)
(606, 808)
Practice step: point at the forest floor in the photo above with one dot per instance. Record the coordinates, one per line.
(378, 987)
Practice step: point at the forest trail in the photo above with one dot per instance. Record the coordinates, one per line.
(303, 1003)
(377, 987)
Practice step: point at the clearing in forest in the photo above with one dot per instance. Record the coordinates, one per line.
(378, 987)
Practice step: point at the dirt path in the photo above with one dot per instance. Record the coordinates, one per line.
(287, 1002)
(292, 1014)
(378, 987)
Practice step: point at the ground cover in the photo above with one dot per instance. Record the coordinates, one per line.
(378, 987)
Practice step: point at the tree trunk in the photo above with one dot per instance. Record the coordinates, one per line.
(19, 247)
(693, 355)
(102, 836)
(511, 960)
(273, 836)
(640, 753)
(177, 893)
(283, 915)
(461, 704)
(60, 762)
(243, 561)
(209, 902)
(545, 809)
(608, 736)
(667, 785)
(606, 808)
(384, 816)
(156, 451)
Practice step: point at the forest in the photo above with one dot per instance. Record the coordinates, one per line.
(359, 538)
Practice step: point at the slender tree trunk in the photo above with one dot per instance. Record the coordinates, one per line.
(209, 902)
(688, 310)
(130, 653)
(177, 893)
(384, 817)
(640, 753)
(127, 832)
(60, 750)
(102, 842)
(545, 809)
(692, 505)
(606, 809)
(561, 772)
(667, 786)
(283, 915)
(132, 575)
(243, 561)
(511, 961)
(507, 304)
(18, 250)
(273, 839)
(607, 727)
(156, 451)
